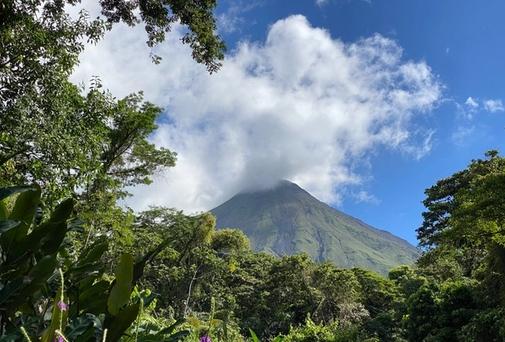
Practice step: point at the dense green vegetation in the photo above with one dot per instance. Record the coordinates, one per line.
(76, 266)
(286, 220)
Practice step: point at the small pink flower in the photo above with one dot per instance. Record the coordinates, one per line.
(59, 339)
(205, 339)
(63, 307)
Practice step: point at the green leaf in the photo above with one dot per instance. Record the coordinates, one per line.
(253, 336)
(15, 293)
(123, 285)
(39, 274)
(6, 225)
(12, 289)
(26, 206)
(89, 265)
(148, 257)
(54, 238)
(121, 322)
(178, 336)
(170, 329)
(6, 192)
(93, 253)
(83, 328)
(49, 235)
(23, 211)
(3, 211)
(62, 211)
(94, 298)
(11, 337)
(46, 239)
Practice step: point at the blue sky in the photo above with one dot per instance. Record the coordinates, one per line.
(462, 42)
(363, 103)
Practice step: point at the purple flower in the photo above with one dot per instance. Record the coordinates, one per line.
(205, 339)
(59, 339)
(63, 307)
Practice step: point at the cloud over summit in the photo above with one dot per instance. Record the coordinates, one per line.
(302, 106)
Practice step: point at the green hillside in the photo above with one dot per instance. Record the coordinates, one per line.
(287, 220)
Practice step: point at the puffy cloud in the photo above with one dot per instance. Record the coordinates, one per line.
(473, 105)
(494, 106)
(301, 106)
(471, 102)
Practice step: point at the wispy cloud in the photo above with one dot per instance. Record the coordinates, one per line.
(363, 196)
(422, 147)
(322, 3)
(462, 134)
(301, 106)
(233, 18)
(464, 129)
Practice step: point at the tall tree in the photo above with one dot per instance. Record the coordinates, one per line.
(88, 145)
(450, 196)
(39, 46)
(465, 217)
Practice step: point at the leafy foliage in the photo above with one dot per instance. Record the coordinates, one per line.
(463, 233)
(75, 265)
(32, 254)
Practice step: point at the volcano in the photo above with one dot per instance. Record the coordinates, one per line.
(286, 220)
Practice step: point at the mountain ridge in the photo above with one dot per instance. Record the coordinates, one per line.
(286, 220)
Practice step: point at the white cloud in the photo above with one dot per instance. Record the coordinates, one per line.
(461, 136)
(363, 196)
(471, 102)
(322, 3)
(473, 105)
(301, 106)
(233, 18)
(421, 147)
(494, 106)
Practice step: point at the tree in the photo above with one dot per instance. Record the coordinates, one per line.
(159, 16)
(449, 195)
(248, 285)
(230, 242)
(38, 38)
(407, 279)
(382, 299)
(193, 268)
(464, 235)
(290, 293)
(90, 146)
(466, 216)
(338, 290)
(50, 132)
(422, 313)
